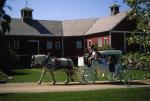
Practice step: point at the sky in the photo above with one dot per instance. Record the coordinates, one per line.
(64, 9)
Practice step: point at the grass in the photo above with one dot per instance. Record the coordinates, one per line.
(33, 75)
(129, 94)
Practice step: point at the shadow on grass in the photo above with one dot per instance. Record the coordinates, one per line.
(100, 83)
(13, 73)
(121, 83)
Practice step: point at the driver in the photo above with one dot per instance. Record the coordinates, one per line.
(94, 55)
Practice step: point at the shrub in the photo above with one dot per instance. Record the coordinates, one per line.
(8, 59)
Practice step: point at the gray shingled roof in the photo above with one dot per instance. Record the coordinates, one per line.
(106, 23)
(65, 28)
(77, 27)
(35, 28)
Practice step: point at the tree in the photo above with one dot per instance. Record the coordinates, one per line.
(4, 19)
(7, 56)
(140, 10)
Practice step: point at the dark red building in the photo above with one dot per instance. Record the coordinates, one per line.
(69, 38)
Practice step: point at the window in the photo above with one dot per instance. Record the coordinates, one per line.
(16, 44)
(89, 43)
(49, 44)
(29, 14)
(8, 44)
(105, 41)
(78, 44)
(25, 13)
(57, 45)
(99, 42)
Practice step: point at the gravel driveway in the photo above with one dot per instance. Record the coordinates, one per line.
(45, 87)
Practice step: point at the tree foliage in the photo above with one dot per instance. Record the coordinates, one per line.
(4, 19)
(8, 57)
(140, 10)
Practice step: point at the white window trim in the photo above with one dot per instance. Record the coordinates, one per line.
(88, 43)
(99, 42)
(16, 44)
(105, 38)
(57, 45)
(78, 44)
(49, 45)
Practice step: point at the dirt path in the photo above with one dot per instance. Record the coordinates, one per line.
(45, 87)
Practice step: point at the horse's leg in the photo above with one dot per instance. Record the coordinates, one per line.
(40, 80)
(52, 74)
(67, 72)
(71, 73)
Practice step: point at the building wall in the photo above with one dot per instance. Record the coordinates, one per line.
(70, 49)
(98, 39)
(29, 45)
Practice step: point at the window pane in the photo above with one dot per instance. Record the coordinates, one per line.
(16, 44)
(78, 44)
(99, 42)
(25, 13)
(105, 41)
(57, 45)
(29, 14)
(89, 43)
(49, 44)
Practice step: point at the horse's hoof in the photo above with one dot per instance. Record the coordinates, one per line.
(72, 80)
(39, 83)
(66, 82)
(54, 83)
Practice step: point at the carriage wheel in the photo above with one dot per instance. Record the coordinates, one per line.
(128, 76)
(79, 75)
(89, 75)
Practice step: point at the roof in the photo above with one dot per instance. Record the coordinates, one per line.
(111, 52)
(35, 28)
(114, 5)
(65, 28)
(77, 27)
(106, 23)
(27, 9)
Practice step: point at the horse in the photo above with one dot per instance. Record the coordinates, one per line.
(50, 64)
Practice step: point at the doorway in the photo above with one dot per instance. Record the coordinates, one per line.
(33, 47)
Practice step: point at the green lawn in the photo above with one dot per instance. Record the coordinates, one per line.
(33, 75)
(129, 94)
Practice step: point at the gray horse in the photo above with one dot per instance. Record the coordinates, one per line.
(50, 64)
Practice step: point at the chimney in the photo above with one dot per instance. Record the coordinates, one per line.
(26, 14)
(114, 9)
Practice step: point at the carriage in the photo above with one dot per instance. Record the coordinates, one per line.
(114, 72)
